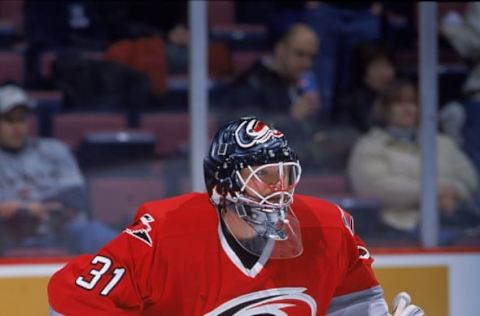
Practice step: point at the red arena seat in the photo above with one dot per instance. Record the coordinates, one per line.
(114, 200)
(172, 130)
(71, 128)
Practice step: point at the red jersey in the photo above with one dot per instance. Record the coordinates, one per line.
(175, 260)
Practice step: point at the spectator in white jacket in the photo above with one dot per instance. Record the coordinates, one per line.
(385, 164)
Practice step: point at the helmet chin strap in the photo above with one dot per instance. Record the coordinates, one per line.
(269, 224)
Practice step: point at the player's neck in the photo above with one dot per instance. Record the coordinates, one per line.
(248, 259)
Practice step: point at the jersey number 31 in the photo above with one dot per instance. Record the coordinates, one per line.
(97, 273)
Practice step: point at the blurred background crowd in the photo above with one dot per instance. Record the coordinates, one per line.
(94, 111)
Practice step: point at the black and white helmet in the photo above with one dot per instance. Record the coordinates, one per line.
(245, 143)
(251, 169)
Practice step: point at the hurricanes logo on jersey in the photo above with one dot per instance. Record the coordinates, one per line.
(256, 132)
(141, 229)
(274, 302)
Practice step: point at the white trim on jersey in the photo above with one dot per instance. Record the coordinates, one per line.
(257, 267)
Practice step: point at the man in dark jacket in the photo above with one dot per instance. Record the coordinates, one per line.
(280, 87)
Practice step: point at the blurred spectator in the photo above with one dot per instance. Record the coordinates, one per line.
(42, 192)
(146, 55)
(153, 38)
(463, 32)
(280, 83)
(385, 164)
(50, 25)
(177, 49)
(373, 69)
(130, 22)
(280, 87)
(340, 26)
(89, 84)
(172, 25)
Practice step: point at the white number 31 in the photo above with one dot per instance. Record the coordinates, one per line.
(97, 274)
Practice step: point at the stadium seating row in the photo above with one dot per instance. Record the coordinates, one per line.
(170, 130)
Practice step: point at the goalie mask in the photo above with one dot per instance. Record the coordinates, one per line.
(251, 174)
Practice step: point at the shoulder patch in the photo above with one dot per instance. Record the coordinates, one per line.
(141, 229)
(347, 220)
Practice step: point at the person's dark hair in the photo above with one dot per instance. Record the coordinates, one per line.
(387, 98)
(364, 54)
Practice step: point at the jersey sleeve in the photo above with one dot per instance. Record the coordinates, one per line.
(358, 292)
(116, 280)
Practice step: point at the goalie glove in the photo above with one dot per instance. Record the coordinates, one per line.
(402, 306)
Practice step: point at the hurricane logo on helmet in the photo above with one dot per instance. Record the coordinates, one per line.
(256, 132)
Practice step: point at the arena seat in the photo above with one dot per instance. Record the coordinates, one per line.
(71, 128)
(101, 149)
(48, 59)
(12, 11)
(172, 130)
(11, 22)
(114, 200)
(220, 12)
(11, 67)
(49, 97)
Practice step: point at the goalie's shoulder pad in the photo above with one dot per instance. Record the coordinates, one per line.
(328, 214)
(151, 218)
